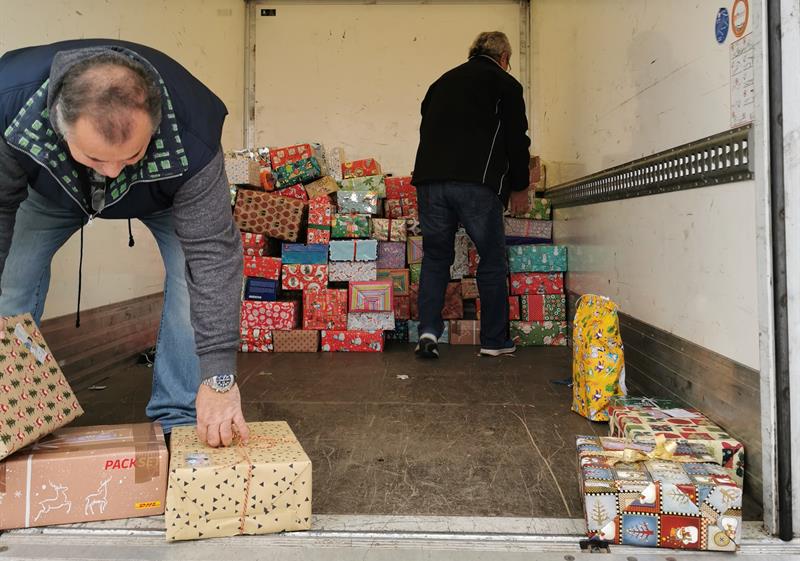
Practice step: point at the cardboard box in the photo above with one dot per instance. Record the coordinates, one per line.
(352, 341)
(322, 187)
(262, 290)
(513, 308)
(262, 267)
(399, 277)
(288, 154)
(80, 474)
(537, 258)
(543, 307)
(292, 173)
(415, 249)
(269, 315)
(320, 216)
(361, 168)
(296, 341)
(370, 321)
(325, 309)
(391, 255)
(304, 277)
(537, 283)
(662, 498)
(355, 202)
(397, 187)
(345, 271)
(350, 226)
(413, 332)
(261, 488)
(35, 397)
(302, 254)
(541, 230)
(402, 307)
(353, 250)
(465, 332)
(371, 296)
(400, 332)
(256, 340)
(389, 229)
(539, 333)
(270, 214)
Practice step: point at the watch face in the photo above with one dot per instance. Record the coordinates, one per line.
(223, 381)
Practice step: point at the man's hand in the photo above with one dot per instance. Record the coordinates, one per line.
(217, 415)
(520, 204)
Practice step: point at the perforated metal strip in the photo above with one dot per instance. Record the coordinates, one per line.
(718, 159)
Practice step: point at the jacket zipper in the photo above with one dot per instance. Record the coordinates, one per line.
(494, 140)
(502, 179)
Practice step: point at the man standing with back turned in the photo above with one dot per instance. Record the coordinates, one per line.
(473, 155)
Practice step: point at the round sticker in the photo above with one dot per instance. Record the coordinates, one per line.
(740, 16)
(722, 25)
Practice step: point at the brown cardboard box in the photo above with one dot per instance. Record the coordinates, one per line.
(79, 474)
(35, 398)
(261, 488)
(296, 341)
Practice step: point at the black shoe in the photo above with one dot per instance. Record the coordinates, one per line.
(427, 348)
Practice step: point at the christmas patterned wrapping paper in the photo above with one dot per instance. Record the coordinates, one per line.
(406, 206)
(357, 202)
(320, 216)
(528, 229)
(472, 261)
(537, 258)
(260, 488)
(270, 214)
(372, 183)
(413, 226)
(543, 307)
(322, 187)
(453, 303)
(400, 332)
(294, 192)
(334, 156)
(413, 297)
(391, 255)
(345, 271)
(352, 341)
(260, 289)
(289, 154)
(540, 209)
(389, 230)
(302, 254)
(350, 226)
(413, 332)
(304, 277)
(370, 321)
(301, 171)
(539, 333)
(36, 397)
(353, 250)
(253, 241)
(399, 277)
(642, 420)
(537, 283)
(256, 340)
(242, 171)
(460, 267)
(262, 267)
(465, 332)
(469, 288)
(325, 309)
(361, 168)
(397, 187)
(402, 307)
(83, 474)
(269, 315)
(415, 251)
(651, 495)
(296, 341)
(371, 296)
(513, 308)
(415, 272)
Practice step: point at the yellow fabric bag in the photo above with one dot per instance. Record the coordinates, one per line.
(598, 361)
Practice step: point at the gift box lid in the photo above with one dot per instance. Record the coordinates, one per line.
(302, 254)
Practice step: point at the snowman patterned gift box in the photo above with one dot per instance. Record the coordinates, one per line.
(352, 341)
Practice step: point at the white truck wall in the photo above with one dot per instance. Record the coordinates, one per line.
(203, 35)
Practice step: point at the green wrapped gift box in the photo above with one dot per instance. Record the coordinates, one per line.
(539, 333)
(537, 258)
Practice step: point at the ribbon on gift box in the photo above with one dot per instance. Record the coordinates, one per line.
(664, 450)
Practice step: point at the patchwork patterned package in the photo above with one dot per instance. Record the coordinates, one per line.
(391, 255)
(269, 315)
(270, 214)
(370, 321)
(304, 277)
(415, 251)
(350, 226)
(372, 183)
(345, 271)
(355, 202)
(537, 258)
(262, 267)
(371, 296)
(352, 341)
(353, 250)
(361, 168)
(389, 230)
(325, 309)
(296, 341)
(539, 333)
(537, 283)
(399, 277)
(300, 171)
(543, 307)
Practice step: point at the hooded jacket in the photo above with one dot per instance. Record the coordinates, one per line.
(182, 170)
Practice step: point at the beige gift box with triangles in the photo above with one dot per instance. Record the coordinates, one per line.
(35, 398)
(261, 488)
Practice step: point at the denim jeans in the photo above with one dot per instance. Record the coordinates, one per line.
(41, 229)
(442, 206)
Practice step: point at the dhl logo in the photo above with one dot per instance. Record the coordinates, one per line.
(151, 504)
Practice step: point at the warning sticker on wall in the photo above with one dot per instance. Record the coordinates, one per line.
(743, 81)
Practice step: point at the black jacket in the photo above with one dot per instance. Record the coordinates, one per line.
(474, 129)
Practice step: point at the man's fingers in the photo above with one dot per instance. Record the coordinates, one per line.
(202, 432)
(241, 427)
(226, 433)
(213, 436)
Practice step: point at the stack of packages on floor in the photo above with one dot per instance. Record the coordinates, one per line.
(665, 477)
(337, 291)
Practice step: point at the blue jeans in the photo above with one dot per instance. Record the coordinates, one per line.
(442, 206)
(41, 229)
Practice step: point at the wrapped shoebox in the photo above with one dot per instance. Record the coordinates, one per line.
(290, 154)
(361, 168)
(543, 307)
(413, 226)
(294, 191)
(353, 250)
(354, 202)
(334, 156)
(414, 272)
(541, 230)
(415, 251)
(302, 254)
(537, 283)
(399, 277)
(397, 187)
(242, 171)
(370, 321)
(36, 397)
(350, 226)
(391, 255)
(345, 271)
(320, 216)
(539, 333)
(402, 307)
(642, 420)
(389, 229)
(400, 332)
(537, 258)
(270, 214)
(253, 241)
(469, 288)
(262, 267)
(256, 340)
(472, 261)
(322, 187)
(301, 171)
(371, 296)
(304, 277)
(670, 495)
(264, 290)
(465, 332)
(262, 487)
(269, 315)
(81, 474)
(413, 298)
(296, 341)
(413, 332)
(352, 341)
(372, 183)
(460, 266)
(325, 309)
(405, 206)
(453, 303)
(540, 209)
(513, 308)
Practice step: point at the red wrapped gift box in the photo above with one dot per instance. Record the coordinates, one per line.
(294, 192)
(413, 296)
(352, 341)
(256, 340)
(253, 241)
(453, 303)
(269, 315)
(469, 288)
(537, 283)
(304, 277)
(513, 308)
(325, 309)
(360, 168)
(472, 261)
(320, 214)
(402, 307)
(403, 207)
(289, 154)
(262, 267)
(397, 187)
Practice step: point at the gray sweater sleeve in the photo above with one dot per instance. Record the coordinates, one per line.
(213, 248)
(13, 190)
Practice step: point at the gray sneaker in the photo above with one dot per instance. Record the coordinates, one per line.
(507, 349)
(427, 347)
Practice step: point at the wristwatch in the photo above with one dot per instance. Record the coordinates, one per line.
(220, 383)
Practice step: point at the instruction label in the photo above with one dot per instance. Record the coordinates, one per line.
(743, 81)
